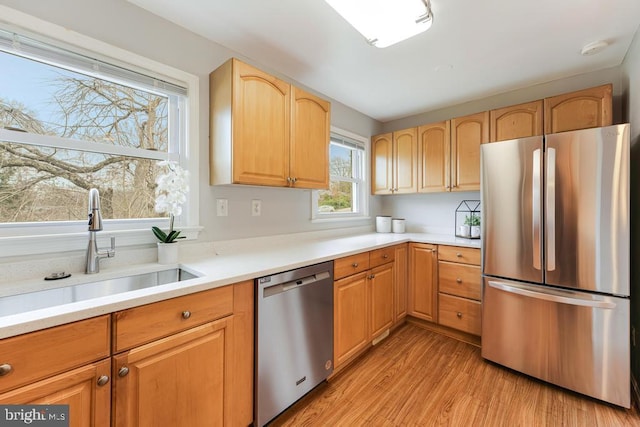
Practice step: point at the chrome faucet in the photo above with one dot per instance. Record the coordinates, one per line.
(95, 224)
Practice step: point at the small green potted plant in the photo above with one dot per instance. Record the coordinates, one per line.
(474, 223)
(171, 193)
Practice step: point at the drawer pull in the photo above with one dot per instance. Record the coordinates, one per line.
(354, 265)
(186, 314)
(459, 280)
(5, 369)
(385, 256)
(373, 276)
(459, 315)
(123, 372)
(103, 380)
(458, 254)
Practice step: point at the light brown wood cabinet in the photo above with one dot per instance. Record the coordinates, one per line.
(363, 301)
(449, 153)
(467, 134)
(198, 373)
(67, 364)
(423, 278)
(394, 168)
(582, 109)
(401, 281)
(265, 131)
(459, 288)
(516, 121)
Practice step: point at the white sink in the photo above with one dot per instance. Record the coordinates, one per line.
(21, 303)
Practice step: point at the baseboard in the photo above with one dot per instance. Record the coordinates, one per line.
(444, 330)
(635, 392)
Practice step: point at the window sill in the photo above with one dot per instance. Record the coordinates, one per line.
(13, 246)
(321, 220)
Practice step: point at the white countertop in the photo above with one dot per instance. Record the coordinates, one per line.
(218, 265)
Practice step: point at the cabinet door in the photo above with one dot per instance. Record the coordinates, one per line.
(422, 281)
(516, 121)
(583, 109)
(467, 133)
(400, 284)
(350, 317)
(382, 164)
(434, 157)
(261, 127)
(309, 158)
(89, 403)
(181, 380)
(382, 289)
(405, 155)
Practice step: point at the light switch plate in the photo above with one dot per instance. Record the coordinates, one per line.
(222, 207)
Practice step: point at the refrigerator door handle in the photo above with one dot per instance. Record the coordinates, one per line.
(572, 298)
(551, 209)
(535, 206)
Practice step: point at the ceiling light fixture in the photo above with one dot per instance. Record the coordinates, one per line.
(385, 22)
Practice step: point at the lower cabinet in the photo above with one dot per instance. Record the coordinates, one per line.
(87, 391)
(401, 281)
(363, 301)
(423, 288)
(186, 361)
(181, 380)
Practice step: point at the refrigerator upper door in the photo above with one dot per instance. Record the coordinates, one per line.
(587, 209)
(511, 193)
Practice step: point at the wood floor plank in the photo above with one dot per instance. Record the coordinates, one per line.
(418, 377)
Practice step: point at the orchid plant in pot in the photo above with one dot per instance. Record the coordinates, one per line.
(171, 194)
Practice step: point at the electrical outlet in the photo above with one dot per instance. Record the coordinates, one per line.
(256, 207)
(222, 207)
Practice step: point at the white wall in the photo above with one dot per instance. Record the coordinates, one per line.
(124, 25)
(631, 113)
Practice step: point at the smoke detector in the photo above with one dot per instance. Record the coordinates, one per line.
(593, 47)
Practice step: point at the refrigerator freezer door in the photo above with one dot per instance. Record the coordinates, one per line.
(511, 184)
(587, 209)
(576, 340)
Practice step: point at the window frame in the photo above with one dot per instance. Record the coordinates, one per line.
(18, 239)
(362, 198)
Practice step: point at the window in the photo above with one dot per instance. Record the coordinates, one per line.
(70, 122)
(347, 194)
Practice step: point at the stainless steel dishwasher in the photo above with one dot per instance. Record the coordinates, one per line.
(294, 337)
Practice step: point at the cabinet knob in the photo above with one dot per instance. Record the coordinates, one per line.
(459, 280)
(459, 315)
(186, 314)
(294, 179)
(354, 265)
(373, 276)
(385, 256)
(123, 372)
(458, 254)
(5, 369)
(103, 380)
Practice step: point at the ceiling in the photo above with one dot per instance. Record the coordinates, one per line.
(474, 48)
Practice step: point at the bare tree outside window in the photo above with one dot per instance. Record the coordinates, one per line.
(45, 183)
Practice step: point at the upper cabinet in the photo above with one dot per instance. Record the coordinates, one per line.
(434, 157)
(265, 131)
(393, 162)
(583, 109)
(516, 121)
(467, 133)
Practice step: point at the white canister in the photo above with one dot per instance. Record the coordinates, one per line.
(383, 224)
(397, 225)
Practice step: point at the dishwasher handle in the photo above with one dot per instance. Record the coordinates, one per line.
(295, 284)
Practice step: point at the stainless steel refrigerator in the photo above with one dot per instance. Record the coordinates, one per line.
(555, 259)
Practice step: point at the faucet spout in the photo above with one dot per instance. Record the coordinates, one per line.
(95, 224)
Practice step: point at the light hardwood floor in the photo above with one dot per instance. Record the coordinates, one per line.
(421, 378)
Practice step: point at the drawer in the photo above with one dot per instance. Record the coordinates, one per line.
(140, 325)
(462, 280)
(343, 267)
(42, 354)
(459, 254)
(382, 256)
(459, 313)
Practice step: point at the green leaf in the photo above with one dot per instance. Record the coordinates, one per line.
(160, 235)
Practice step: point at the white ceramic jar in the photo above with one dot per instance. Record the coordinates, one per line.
(383, 224)
(398, 225)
